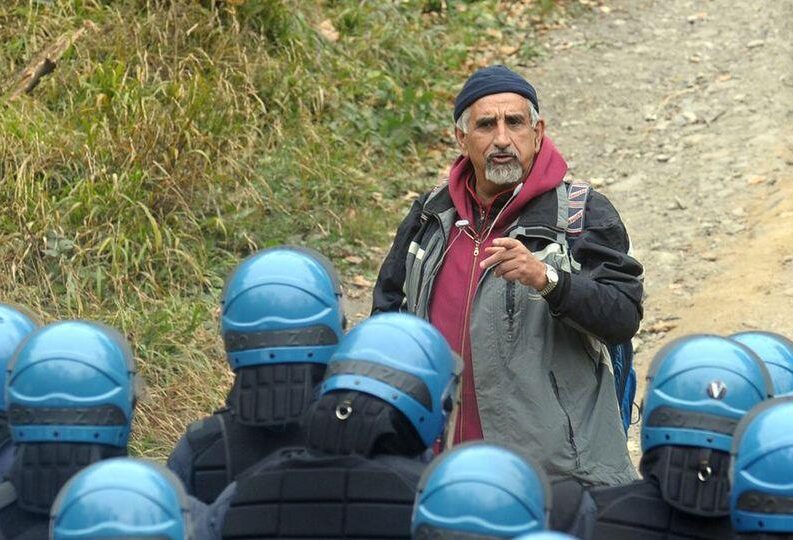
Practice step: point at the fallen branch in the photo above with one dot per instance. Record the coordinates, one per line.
(45, 63)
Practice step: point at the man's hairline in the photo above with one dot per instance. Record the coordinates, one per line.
(465, 117)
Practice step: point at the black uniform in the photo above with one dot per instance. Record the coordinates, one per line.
(265, 406)
(217, 449)
(684, 496)
(302, 494)
(37, 474)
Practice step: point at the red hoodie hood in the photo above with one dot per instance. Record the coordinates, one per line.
(546, 173)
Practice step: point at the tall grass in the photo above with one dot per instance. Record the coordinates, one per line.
(182, 135)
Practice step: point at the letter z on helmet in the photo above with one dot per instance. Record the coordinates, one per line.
(282, 305)
(404, 361)
(14, 327)
(72, 381)
(761, 499)
(481, 491)
(699, 387)
(122, 498)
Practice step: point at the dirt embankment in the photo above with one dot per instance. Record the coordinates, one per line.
(682, 111)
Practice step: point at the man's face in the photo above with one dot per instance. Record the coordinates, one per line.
(501, 142)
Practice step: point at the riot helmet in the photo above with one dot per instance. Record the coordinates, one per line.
(481, 491)
(282, 318)
(122, 498)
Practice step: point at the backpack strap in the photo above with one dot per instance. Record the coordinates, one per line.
(8, 495)
(577, 194)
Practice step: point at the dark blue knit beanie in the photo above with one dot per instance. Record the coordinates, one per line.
(493, 80)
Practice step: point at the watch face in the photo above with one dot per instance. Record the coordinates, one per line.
(553, 277)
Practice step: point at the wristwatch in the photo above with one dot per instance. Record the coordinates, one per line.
(553, 280)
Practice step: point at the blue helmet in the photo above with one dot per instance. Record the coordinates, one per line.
(762, 469)
(482, 490)
(282, 305)
(120, 498)
(404, 361)
(698, 388)
(777, 353)
(71, 381)
(14, 327)
(546, 535)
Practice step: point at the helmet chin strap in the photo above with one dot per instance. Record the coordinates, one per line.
(693, 480)
(40, 470)
(357, 423)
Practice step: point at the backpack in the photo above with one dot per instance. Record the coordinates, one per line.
(622, 353)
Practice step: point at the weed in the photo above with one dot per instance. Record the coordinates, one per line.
(181, 136)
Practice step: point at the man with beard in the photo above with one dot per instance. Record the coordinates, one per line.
(487, 259)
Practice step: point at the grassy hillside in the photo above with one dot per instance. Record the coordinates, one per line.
(176, 137)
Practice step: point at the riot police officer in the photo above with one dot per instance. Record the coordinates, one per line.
(761, 499)
(387, 394)
(70, 392)
(777, 353)
(123, 498)
(481, 490)
(14, 327)
(698, 388)
(281, 321)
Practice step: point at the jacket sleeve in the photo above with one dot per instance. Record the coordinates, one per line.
(389, 294)
(605, 297)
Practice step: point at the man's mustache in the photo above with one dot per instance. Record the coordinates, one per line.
(501, 153)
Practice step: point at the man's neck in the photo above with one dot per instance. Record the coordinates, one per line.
(487, 190)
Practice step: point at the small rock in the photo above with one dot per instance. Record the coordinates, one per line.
(360, 281)
(710, 257)
(661, 327)
(597, 182)
(788, 260)
(755, 180)
(662, 158)
(690, 116)
(788, 292)
(755, 44)
(697, 17)
(353, 259)
(750, 324)
(738, 212)
(328, 31)
(695, 59)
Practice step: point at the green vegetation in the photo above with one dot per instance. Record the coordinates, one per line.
(179, 136)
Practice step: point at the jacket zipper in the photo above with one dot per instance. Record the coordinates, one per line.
(570, 435)
(510, 309)
(466, 314)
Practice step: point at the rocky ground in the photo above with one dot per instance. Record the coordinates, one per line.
(681, 112)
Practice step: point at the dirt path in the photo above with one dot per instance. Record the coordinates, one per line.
(681, 112)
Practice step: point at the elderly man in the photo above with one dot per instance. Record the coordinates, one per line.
(527, 294)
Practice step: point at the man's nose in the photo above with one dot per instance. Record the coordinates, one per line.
(501, 140)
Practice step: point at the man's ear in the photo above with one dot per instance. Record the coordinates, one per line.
(460, 136)
(539, 133)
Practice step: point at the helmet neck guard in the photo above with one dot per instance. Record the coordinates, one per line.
(356, 423)
(693, 480)
(40, 470)
(273, 395)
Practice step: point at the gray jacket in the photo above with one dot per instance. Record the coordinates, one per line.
(542, 371)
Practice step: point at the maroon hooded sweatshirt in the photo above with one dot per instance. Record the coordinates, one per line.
(455, 286)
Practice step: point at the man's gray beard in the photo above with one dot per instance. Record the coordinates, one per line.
(508, 173)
